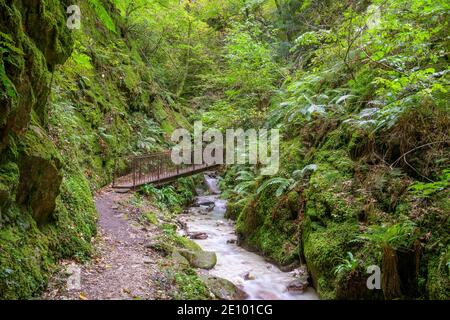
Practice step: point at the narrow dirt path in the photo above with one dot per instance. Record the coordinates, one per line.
(122, 268)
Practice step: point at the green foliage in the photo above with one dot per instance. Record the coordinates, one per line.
(103, 15)
(246, 182)
(250, 66)
(171, 197)
(189, 286)
(150, 217)
(422, 189)
(399, 235)
(148, 134)
(165, 197)
(348, 265)
(248, 80)
(284, 185)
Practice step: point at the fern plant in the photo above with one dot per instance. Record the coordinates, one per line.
(287, 184)
(247, 182)
(399, 235)
(348, 265)
(166, 197)
(425, 190)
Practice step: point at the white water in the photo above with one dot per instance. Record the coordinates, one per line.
(212, 185)
(234, 262)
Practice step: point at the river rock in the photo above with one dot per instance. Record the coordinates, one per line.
(266, 295)
(196, 211)
(224, 289)
(163, 249)
(205, 203)
(297, 285)
(210, 208)
(302, 271)
(249, 276)
(290, 268)
(179, 260)
(200, 192)
(200, 259)
(198, 235)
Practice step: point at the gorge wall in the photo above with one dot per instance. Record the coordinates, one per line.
(72, 101)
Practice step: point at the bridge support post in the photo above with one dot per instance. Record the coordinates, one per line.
(133, 165)
(159, 169)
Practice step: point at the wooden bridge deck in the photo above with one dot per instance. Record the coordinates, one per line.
(156, 169)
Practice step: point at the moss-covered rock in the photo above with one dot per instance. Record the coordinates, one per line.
(40, 176)
(223, 289)
(268, 226)
(200, 259)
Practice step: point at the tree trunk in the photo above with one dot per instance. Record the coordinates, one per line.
(187, 64)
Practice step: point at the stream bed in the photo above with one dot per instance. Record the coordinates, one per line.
(258, 278)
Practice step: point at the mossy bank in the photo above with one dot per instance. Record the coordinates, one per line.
(364, 174)
(72, 101)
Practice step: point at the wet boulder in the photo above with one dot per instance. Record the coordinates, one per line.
(224, 289)
(200, 259)
(297, 285)
(179, 260)
(249, 276)
(198, 235)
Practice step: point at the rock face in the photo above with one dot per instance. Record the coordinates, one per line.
(224, 289)
(40, 174)
(200, 259)
(39, 186)
(37, 30)
(34, 40)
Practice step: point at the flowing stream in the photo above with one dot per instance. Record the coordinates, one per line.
(258, 278)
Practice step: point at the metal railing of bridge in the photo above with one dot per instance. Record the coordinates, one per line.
(155, 168)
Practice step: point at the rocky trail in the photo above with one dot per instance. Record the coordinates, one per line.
(123, 267)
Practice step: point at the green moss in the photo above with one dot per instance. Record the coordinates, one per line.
(186, 243)
(233, 210)
(266, 226)
(323, 248)
(150, 217)
(172, 239)
(438, 282)
(75, 218)
(189, 286)
(103, 15)
(24, 259)
(9, 181)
